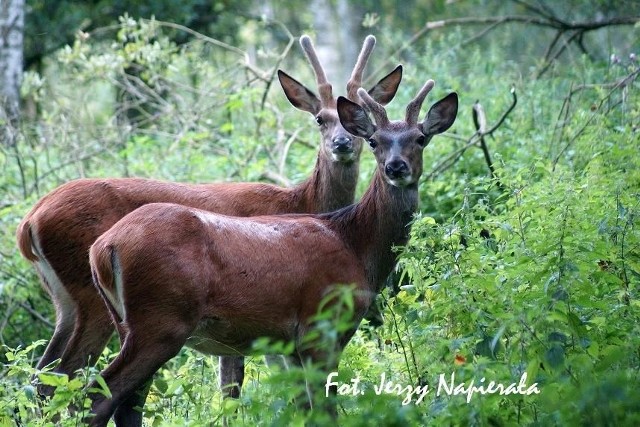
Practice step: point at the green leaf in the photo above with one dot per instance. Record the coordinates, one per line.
(53, 379)
(104, 388)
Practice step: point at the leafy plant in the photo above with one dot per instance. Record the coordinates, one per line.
(530, 276)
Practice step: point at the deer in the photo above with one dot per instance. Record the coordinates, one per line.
(55, 236)
(173, 275)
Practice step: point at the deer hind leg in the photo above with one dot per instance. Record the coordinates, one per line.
(131, 372)
(129, 413)
(231, 375)
(65, 308)
(93, 328)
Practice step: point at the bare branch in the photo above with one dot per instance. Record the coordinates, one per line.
(620, 84)
(480, 123)
(451, 159)
(34, 313)
(546, 20)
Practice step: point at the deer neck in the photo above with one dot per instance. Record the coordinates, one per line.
(376, 224)
(331, 186)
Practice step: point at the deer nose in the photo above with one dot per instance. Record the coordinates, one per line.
(396, 169)
(342, 144)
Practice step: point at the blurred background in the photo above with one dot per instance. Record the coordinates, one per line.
(524, 257)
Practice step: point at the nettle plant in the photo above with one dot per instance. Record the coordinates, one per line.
(546, 287)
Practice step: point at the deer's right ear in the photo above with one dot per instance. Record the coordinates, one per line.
(441, 115)
(354, 118)
(298, 95)
(384, 91)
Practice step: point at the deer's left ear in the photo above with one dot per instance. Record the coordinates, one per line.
(298, 95)
(441, 115)
(384, 91)
(354, 118)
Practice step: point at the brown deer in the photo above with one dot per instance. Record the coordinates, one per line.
(174, 275)
(57, 233)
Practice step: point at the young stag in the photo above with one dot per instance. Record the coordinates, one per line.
(173, 275)
(57, 233)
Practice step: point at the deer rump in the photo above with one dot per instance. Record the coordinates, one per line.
(251, 277)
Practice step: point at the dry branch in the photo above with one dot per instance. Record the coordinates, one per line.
(546, 19)
(452, 158)
(622, 83)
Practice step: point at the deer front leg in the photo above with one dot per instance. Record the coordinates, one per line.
(231, 375)
(317, 364)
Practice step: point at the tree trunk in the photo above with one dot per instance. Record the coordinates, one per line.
(337, 39)
(11, 52)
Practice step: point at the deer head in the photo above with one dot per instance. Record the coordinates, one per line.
(398, 145)
(337, 144)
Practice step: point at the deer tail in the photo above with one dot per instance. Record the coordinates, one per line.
(24, 237)
(101, 257)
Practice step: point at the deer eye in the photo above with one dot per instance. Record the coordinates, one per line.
(319, 120)
(373, 144)
(421, 141)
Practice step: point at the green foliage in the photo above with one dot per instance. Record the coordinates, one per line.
(533, 272)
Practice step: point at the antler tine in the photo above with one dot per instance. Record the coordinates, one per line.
(355, 81)
(376, 109)
(413, 109)
(324, 87)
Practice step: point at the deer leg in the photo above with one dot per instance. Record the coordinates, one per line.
(281, 361)
(93, 328)
(52, 353)
(132, 370)
(57, 343)
(129, 413)
(325, 361)
(65, 308)
(231, 375)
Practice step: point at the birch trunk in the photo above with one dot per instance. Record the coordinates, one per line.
(11, 56)
(337, 39)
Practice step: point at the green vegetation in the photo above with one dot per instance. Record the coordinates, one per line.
(534, 271)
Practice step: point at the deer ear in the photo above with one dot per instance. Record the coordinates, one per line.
(354, 118)
(441, 115)
(298, 95)
(384, 91)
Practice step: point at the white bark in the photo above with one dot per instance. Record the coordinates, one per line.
(11, 57)
(336, 41)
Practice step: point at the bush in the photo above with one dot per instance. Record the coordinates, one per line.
(532, 272)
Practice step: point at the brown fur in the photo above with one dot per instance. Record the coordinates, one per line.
(68, 220)
(25, 241)
(217, 283)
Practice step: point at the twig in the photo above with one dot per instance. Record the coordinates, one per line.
(276, 178)
(285, 150)
(473, 140)
(622, 83)
(62, 165)
(577, 35)
(541, 10)
(514, 101)
(198, 36)
(546, 20)
(36, 315)
(274, 70)
(480, 123)
(481, 34)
